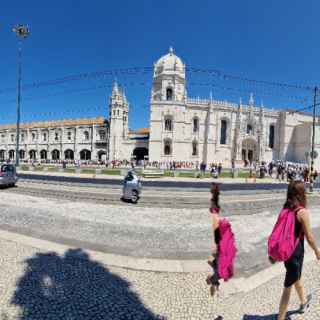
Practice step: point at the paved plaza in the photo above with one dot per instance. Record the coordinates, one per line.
(63, 258)
(67, 283)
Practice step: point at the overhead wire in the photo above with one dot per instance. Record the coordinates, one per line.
(144, 70)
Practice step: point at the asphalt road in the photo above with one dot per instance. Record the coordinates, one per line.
(159, 184)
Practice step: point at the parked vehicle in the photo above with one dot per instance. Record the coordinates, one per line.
(131, 187)
(8, 175)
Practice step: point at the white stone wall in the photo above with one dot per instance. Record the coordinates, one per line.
(76, 143)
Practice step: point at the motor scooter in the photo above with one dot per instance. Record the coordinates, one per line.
(132, 187)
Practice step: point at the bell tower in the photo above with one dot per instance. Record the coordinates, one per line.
(169, 79)
(167, 108)
(118, 117)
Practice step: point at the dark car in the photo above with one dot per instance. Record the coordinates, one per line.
(8, 175)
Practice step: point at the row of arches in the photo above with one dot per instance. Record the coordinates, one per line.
(55, 155)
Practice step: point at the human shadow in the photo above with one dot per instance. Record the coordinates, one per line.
(269, 317)
(75, 287)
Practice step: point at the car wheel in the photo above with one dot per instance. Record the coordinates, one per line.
(135, 196)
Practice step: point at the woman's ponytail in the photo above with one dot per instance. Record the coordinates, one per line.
(215, 191)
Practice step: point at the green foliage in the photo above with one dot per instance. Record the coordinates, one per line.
(111, 172)
(168, 173)
(92, 171)
(186, 174)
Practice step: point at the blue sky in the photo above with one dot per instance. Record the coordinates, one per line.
(270, 40)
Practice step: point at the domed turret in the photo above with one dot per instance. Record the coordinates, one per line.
(169, 63)
(169, 78)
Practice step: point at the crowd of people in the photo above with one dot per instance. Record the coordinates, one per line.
(280, 170)
(290, 171)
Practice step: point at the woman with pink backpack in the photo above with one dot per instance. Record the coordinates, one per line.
(224, 249)
(286, 243)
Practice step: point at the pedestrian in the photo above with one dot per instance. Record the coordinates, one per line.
(294, 214)
(223, 250)
(233, 165)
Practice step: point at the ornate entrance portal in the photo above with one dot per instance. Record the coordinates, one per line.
(249, 150)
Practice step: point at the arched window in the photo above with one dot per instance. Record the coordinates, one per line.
(169, 94)
(69, 135)
(12, 138)
(86, 135)
(102, 135)
(102, 156)
(223, 132)
(167, 147)
(33, 136)
(22, 154)
(2, 155)
(168, 124)
(43, 154)
(44, 136)
(11, 154)
(69, 154)
(55, 154)
(32, 155)
(249, 129)
(271, 136)
(85, 154)
(195, 125)
(194, 148)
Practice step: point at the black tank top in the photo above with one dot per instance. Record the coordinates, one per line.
(298, 229)
(217, 236)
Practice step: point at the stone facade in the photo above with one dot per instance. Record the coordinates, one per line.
(180, 129)
(81, 139)
(186, 129)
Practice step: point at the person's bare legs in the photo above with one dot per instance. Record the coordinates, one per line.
(284, 303)
(300, 291)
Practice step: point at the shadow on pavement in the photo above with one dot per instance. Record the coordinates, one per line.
(269, 317)
(74, 287)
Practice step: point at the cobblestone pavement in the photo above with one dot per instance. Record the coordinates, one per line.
(44, 285)
(175, 233)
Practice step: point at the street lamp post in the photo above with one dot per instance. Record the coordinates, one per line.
(313, 127)
(313, 137)
(21, 32)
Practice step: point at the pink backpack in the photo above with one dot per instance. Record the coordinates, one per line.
(282, 242)
(227, 250)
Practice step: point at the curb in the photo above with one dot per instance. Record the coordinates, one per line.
(235, 286)
(116, 177)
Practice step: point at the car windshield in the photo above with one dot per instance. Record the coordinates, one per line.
(7, 168)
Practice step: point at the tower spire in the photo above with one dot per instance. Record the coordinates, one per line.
(115, 88)
(251, 100)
